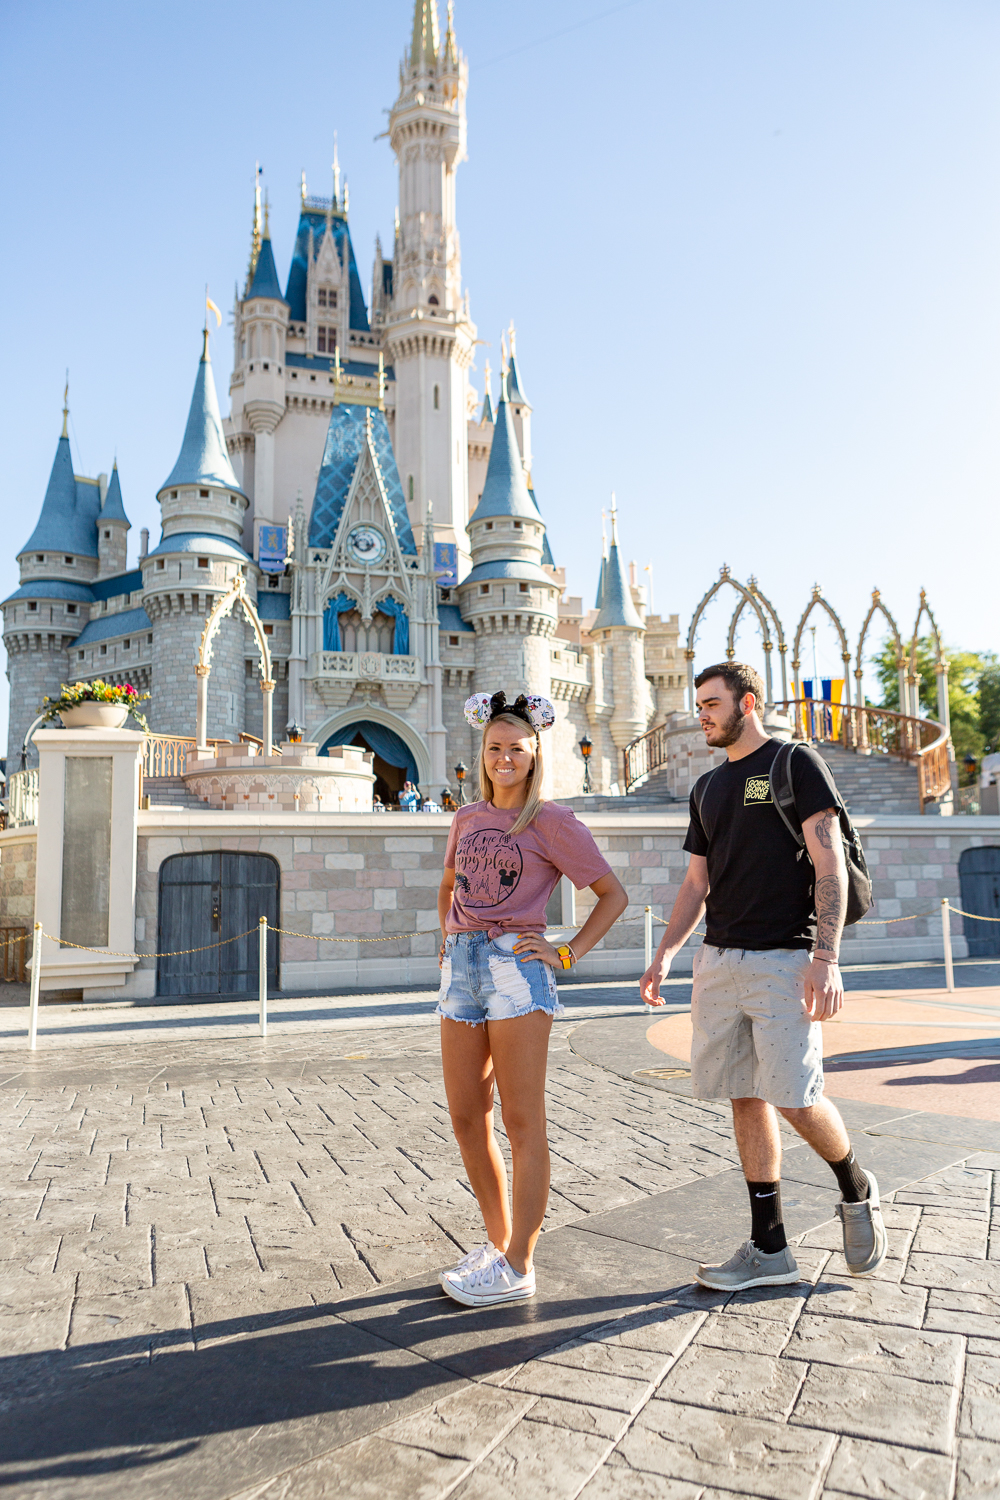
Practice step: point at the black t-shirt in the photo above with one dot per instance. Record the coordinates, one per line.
(761, 893)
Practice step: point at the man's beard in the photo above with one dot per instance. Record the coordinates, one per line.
(732, 729)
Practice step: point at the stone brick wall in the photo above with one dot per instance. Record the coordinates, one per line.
(173, 708)
(17, 878)
(33, 673)
(377, 876)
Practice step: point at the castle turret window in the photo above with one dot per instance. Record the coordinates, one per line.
(326, 340)
(203, 562)
(104, 650)
(126, 644)
(107, 536)
(524, 588)
(68, 561)
(484, 588)
(32, 606)
(437, 398)
(203, 494)
(160, 564)
(71, 609)
(433, 301)
(79, 656)
(327, 297)
(39, 557)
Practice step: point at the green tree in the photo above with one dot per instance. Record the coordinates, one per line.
(966, 670)
(989, 702)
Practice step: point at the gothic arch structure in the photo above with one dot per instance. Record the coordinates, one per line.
(747, 596)
(223, 606)
(877, 607)
(772, 615)
(940, 668)
(817, 598)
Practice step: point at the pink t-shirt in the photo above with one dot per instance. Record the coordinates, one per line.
(502, 884)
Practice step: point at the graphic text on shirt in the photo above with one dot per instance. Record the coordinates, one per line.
(756, 791)
(487, 867)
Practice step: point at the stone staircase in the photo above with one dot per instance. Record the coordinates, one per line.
(169, 791)
(873, 784)
(653, 796)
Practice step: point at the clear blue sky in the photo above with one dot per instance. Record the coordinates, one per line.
(752, 251)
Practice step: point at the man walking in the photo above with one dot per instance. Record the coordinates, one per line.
(767, 974)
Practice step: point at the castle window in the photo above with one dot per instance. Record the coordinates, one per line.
(71, 609)
(410, 486)
(126, 644)
(327, 297)
(79, 656)
(104, 650)
(232, 500)
(173, 494)
(518, 526)
(484, 588)
(68, 561)
(149, 640)
(39, 557)
(203, 494)
(437, 398)
(268, 629)
(489, 525)
(433, 301)
(273, 581)
(524, 588)
(203, 562)
(160, 564)
(32, 606)
(326, 340)
(453, 640)
(107, 534)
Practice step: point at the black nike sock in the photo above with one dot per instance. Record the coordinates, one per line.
(767, 1229)
(853, 1182)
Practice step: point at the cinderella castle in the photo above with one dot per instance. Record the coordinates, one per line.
(381, 511)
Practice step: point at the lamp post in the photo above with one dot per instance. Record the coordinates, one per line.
(586, 747)
(294, 733)
(461, 770)
(969, 762)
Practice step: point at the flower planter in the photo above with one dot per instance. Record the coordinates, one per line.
(94, 716)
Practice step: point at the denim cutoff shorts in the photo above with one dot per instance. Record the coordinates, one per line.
(482, 979)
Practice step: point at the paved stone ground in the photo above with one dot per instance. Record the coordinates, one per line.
(218, 1280)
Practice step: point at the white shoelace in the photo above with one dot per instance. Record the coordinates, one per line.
(498, 1269)
(481, 1256)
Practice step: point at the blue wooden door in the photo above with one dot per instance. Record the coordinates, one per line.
(206, 902)
(979, 873)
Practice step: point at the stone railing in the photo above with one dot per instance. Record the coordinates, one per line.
(167, 754)
(22, 799)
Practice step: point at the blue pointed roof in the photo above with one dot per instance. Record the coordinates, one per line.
(617, 606)
(487, 415)
(295, 291)
(345, 439)
(600, 583)
(547, 559)
(265, 274)
(204, 458)
(68, 522)
(113, 508)
(505, 492)
(514, 390)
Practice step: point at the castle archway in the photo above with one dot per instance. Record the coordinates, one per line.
(400, 752)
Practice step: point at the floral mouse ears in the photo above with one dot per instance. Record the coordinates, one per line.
(536, 711)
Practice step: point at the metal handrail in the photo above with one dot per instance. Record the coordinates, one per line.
(868, 730)
(166, 754)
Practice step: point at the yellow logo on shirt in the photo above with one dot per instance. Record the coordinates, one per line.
(757, 789)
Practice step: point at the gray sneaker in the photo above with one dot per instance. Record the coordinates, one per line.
(750, 1267)
(866, 1243)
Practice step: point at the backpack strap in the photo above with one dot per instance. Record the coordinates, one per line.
(782, 795)
(698, 792)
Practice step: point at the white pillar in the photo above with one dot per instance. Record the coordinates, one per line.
(88, 814)
(267, 694)
(201, 730)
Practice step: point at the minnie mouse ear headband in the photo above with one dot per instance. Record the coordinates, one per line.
(536, 711)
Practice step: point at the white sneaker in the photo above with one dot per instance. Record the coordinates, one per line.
(474, 1261)
(497, 1281)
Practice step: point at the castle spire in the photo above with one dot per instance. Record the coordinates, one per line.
(505, 490)
(255, 236)
(425, 42)
(204, 458)
(617, 606)
(265, 281)
(65, 429)
(487, 415)
(336, 173)
(450, 53)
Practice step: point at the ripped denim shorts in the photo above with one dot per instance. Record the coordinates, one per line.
(482, 979)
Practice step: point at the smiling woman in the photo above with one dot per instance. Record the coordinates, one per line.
(498, 992)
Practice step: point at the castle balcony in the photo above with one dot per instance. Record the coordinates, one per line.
(571, 679)
(336, 674)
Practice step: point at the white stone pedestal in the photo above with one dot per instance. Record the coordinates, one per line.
(88, 806)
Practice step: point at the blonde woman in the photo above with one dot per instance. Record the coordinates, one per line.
(498, 990)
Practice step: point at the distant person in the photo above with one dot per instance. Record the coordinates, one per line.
(377, 804)
(447, 801)
(767, 973)
(504, 858)
(409, 797)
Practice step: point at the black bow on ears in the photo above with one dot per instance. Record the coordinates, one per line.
(499, 705)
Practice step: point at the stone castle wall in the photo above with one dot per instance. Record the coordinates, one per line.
(33, 675)
(173, 708)
(369, 875)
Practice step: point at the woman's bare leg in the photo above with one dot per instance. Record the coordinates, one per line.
(520, 1049)
(468, 1081)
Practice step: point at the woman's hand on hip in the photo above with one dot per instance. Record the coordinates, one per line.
(531, 945)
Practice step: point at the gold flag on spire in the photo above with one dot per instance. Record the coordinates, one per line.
(211, 307)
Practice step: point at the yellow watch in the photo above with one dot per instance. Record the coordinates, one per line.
(566, 955)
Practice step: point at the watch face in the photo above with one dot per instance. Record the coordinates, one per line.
(366, 544)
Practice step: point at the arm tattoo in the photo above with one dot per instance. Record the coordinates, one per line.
(831, 908)
(824, 827)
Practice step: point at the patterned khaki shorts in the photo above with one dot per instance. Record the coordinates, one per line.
(752, 1037)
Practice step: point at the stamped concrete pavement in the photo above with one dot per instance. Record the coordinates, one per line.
(218, 1280)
